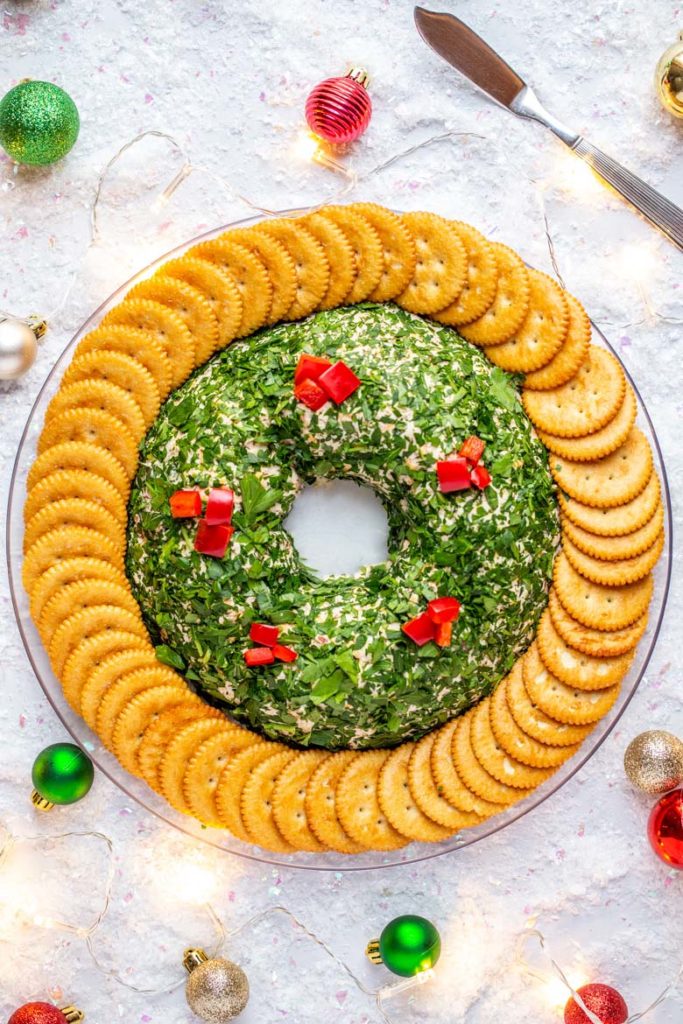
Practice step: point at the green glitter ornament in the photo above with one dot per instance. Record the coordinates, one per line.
(39, 123)
(408, 946)
(62, 774)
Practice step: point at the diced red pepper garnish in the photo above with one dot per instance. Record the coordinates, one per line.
(339, 382)
(185, 504)
(444, 633)
(282, 653)
(311, 394)
(310, 367)
(259, 656)
(263, 634)
(453, 474)
(420, 630)
(472, 449)
(212, 540)
(480, 477)
(219, 506)
(443, 609)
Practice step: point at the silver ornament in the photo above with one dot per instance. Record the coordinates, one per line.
(18, 347)
(217, 989)
(654, 761)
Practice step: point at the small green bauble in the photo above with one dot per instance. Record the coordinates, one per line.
(62, 774)
(38, 123)
(408, 946)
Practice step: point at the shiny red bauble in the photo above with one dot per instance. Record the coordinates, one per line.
(37, 1013)
(339, 109)
(665, 829)
(605, 1002)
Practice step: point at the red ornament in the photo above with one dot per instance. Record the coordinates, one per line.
(602, 1000)
(665, 829)
(339, 109)
(37, 1013)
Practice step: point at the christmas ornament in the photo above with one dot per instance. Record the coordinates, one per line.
(217, 990)
(62, 774)
(669, 78)
(408, 945)
(665, 829)
(654, 761)
(46, 1013)
(339, 109)
(18, 345)
(605, 1002)
(38, 123)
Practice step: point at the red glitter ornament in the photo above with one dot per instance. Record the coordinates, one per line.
(602, 1000)
(339, 109)
(44, 1013)
(665, 829)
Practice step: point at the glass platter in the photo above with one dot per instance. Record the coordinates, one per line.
(138, 790)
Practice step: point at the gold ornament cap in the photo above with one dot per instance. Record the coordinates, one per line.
(372, 952)
(41, 803)
(193, 958)
(72, 1015)
(669, 78)
(359, 75)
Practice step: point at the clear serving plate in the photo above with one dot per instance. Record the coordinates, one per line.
(139, 791)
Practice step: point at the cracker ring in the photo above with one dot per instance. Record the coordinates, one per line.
(440, 268)
(514, 740)
(289, 801)
(203, 772)
(509, 305)
(426, 793)
(398, 804)
(618, 520)
(366, 248)
(168, 328)
(124, 689)
(565, 703)
(100, 394)
(71, 570)
(123, 371)
(248, 273)
(113, 662)
(86, 623)
(340, 254)
(218, 288)
(232, 781)
(598, 606)
(189, 303)
(67, 542)
(598, 643)
(574, 668)
(585, 403)
(310, 262)
(495, 759)
(83, 594)
(178, 753)
(278, 263)
(161, 731)
(613, 480)
(603, 442)
(93, 426)
(449, 785)
(611, 549)
(75, 483)
(570, 356)
(137, 715)
(480, 285)
(142, 346)
(89, 654)
(320, 803)
(472, 772)
(398, 250)
(619, 571)
(73, 512)
(358, 806)
(542, 332)
(535, 722)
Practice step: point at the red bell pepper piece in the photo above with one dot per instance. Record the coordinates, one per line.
(480, 477)
(443, 609)
(185, 504)
(262, 634)
(420, 630)
(310, 367)
(311, 394)
(472, 449)
(212, 540)
(339, 382)
(282, 653)
(259, 656)
(453, 474)
(219, 506)
(444, 633)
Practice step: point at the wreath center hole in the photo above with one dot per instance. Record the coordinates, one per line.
(338, 527)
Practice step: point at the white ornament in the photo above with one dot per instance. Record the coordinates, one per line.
(18, 347)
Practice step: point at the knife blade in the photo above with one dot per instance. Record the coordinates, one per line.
(455, 41)
(461, 47)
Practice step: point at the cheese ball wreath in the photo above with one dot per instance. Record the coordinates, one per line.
(544, 697)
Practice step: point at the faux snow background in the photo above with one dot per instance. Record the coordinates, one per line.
(228, 82)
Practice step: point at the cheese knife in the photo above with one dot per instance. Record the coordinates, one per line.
(458, 44)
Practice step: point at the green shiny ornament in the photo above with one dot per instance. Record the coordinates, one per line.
(62, 774)
(408, 946)
(39, 123)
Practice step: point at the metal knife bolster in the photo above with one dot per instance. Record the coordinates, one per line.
(527, 104)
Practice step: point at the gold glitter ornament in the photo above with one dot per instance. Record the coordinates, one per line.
(217, 989)
(669, 78)
(18, 345)
(654, 761)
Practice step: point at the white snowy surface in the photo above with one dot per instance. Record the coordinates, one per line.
(228, 82)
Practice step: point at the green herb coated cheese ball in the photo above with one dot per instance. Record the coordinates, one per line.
(358, 682)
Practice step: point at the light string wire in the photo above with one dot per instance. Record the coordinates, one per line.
(380, 996)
